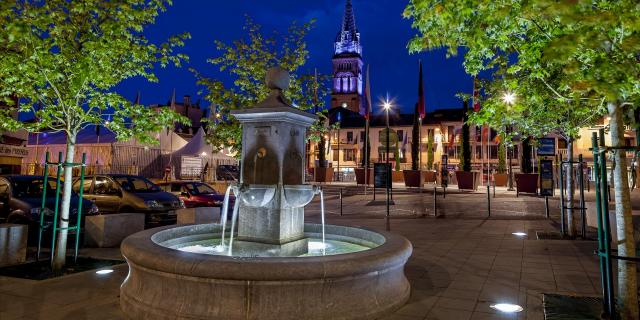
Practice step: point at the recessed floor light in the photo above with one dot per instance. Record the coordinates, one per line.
(104, 271)
(519, 234)
(507, 307)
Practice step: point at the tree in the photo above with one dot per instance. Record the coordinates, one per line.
(415, 141)
(430, 151)
(502, 162)
(465, 142)
(583, 52)
(67, 56)
(247, 60)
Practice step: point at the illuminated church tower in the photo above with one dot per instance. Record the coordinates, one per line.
(347, 64)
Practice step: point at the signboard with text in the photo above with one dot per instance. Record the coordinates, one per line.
(381, 175)
(546, 147)
(546, 177)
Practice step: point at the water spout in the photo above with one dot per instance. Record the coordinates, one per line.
(224, 214)
(234, 217)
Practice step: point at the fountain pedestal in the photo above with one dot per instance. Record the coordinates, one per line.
(272, 174)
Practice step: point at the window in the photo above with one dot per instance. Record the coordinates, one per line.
(349, 136)
(349, 155)
(87, 186)
(104, 186)
(562, 143)
(136, 184)
(362, 136)
(400, 136)
(336, 155)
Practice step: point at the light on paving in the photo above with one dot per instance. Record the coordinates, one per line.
(519, 234)
(507, 307)
(104, 271)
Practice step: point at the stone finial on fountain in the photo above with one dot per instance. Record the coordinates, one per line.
(277, 80)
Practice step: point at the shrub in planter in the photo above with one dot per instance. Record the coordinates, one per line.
(500, 178)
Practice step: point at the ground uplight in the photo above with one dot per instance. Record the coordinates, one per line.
(104, 271)
(506, 307)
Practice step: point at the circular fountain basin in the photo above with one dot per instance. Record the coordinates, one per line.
(166, 281)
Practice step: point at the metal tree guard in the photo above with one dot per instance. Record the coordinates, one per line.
(42, 227)
(604, 226)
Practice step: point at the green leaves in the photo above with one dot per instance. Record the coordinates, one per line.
(562, 59)
(63, 58)
(247, 61)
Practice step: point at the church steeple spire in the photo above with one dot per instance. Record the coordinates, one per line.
(348, 39)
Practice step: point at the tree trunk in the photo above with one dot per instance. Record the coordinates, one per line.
(571, 226)
(627, 277)
(61, 245)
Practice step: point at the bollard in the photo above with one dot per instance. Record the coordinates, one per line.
(494, 188)
(444, 192)
(488, 201)
(341, 202)
(435, 201)
(582, 204)
(546, 206)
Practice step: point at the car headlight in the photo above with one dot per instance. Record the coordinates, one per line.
(93, 210)
(153, 204)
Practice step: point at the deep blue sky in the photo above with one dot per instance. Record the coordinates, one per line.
(384, 37)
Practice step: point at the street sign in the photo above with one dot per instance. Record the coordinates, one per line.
(546, 146)
(381, 175)
(393, 138)
(546, 177)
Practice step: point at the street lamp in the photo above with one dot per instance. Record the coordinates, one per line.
(509, 98)
(387, 105)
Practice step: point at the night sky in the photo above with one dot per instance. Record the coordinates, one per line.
(384, 37)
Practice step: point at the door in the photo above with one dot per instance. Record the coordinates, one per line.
(106, 195)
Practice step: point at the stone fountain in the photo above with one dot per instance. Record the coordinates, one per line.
(276, 267)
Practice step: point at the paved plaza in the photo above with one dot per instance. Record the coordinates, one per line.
(462, 262)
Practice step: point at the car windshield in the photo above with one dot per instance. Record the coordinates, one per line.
(199, 188)
(32, 188)
(136, 184)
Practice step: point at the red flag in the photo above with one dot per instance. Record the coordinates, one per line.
(476, 95)
(421, 104)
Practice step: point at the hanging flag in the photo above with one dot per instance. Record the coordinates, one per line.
(421, 103)
(339, 116)
(367, 97)
(476, 95)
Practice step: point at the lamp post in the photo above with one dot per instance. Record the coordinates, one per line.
(509, 98)
(387, 105)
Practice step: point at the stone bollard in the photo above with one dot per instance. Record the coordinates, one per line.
(13, 243)
(108, 230)
(198, 215)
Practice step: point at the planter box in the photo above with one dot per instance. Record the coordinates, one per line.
(430, 176)
(397, 176)
(360, 176)
(412, 178)
(198, 215)
(108, 230)
(500, 179)
(467, 180)
(526, 183)
(323, 174)
(14, 244)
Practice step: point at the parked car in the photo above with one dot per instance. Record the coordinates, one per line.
(21, 202)
(228, 172)
(196, 194)
(115, 193)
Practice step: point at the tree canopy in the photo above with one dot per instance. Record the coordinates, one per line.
(247, 61)
(63, 59)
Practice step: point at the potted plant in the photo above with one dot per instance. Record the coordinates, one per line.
(526, 181)
(396, 175)
(466, 179)
(500, 178)
(322, 172)
(366, 159)
(412, 178)
(430, 174)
